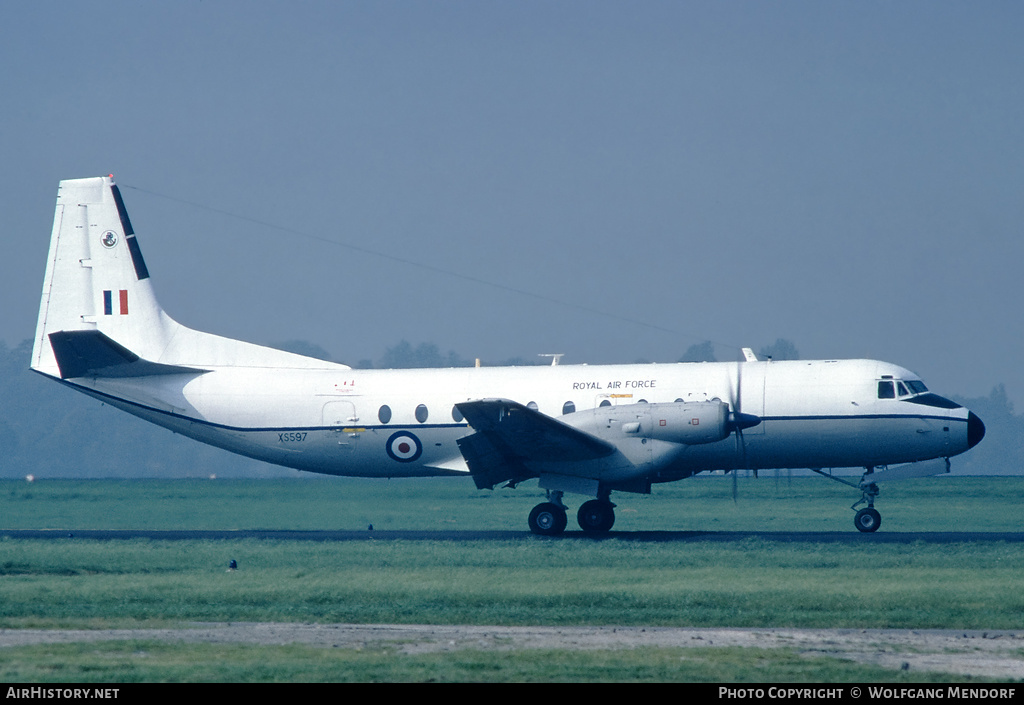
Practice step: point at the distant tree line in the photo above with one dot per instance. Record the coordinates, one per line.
(781, 349)
(50, 431)
(404, 356)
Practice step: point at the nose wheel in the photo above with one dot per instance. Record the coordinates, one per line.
(867, 520)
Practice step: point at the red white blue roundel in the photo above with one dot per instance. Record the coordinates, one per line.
(403, 447)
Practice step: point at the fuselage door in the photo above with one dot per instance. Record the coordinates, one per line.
(340, 417)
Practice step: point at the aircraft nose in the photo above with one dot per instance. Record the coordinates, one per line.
(975, 430)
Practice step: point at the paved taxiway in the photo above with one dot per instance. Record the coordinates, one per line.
(845, 537)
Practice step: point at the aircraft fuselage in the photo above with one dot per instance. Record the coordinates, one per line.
(822, 414)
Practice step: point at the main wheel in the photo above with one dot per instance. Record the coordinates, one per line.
(596, 516)
(867, 520)
(547, 519)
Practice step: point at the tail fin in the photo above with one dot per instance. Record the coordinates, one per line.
(99, 315)
(96, 279)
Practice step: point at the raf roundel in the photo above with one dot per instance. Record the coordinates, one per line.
(404, 447)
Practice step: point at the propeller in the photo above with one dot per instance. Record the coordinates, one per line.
(739, 421)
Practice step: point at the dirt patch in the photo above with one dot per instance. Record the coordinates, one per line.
(993, 654)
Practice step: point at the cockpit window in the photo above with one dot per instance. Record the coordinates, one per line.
(889, 388)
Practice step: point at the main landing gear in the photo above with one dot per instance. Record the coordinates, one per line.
(550, 519)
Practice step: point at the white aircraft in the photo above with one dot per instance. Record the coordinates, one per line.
(581, 429)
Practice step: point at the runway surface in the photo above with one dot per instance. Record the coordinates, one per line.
(845, 537)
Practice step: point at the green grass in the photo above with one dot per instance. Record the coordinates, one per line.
(698, 504)
(751, 583)
(521, 581)
(147, 661)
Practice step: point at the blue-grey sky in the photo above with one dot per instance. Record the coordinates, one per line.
(633, 177)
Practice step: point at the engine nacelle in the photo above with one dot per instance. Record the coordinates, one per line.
(688, 423)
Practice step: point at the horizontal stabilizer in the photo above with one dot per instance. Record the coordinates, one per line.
(90, 353)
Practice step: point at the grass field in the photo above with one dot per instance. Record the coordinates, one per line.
(748, 584)
(700, 504)
(522, 581)
(148, 662)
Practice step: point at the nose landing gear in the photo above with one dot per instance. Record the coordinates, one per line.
(867, 520)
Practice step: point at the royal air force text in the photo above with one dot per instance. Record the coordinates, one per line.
(617, 384)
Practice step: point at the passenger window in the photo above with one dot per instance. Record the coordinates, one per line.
(421, 413)
(886, 390)
(384, 414)
(568, 408)
(605, 402)
(457, 415)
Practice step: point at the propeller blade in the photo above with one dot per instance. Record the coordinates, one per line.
(737, 422)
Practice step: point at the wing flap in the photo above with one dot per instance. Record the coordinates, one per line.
(509, 437)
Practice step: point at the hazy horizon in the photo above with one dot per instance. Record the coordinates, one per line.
(613, 182)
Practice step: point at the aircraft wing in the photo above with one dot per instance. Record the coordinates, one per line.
(510, 436)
